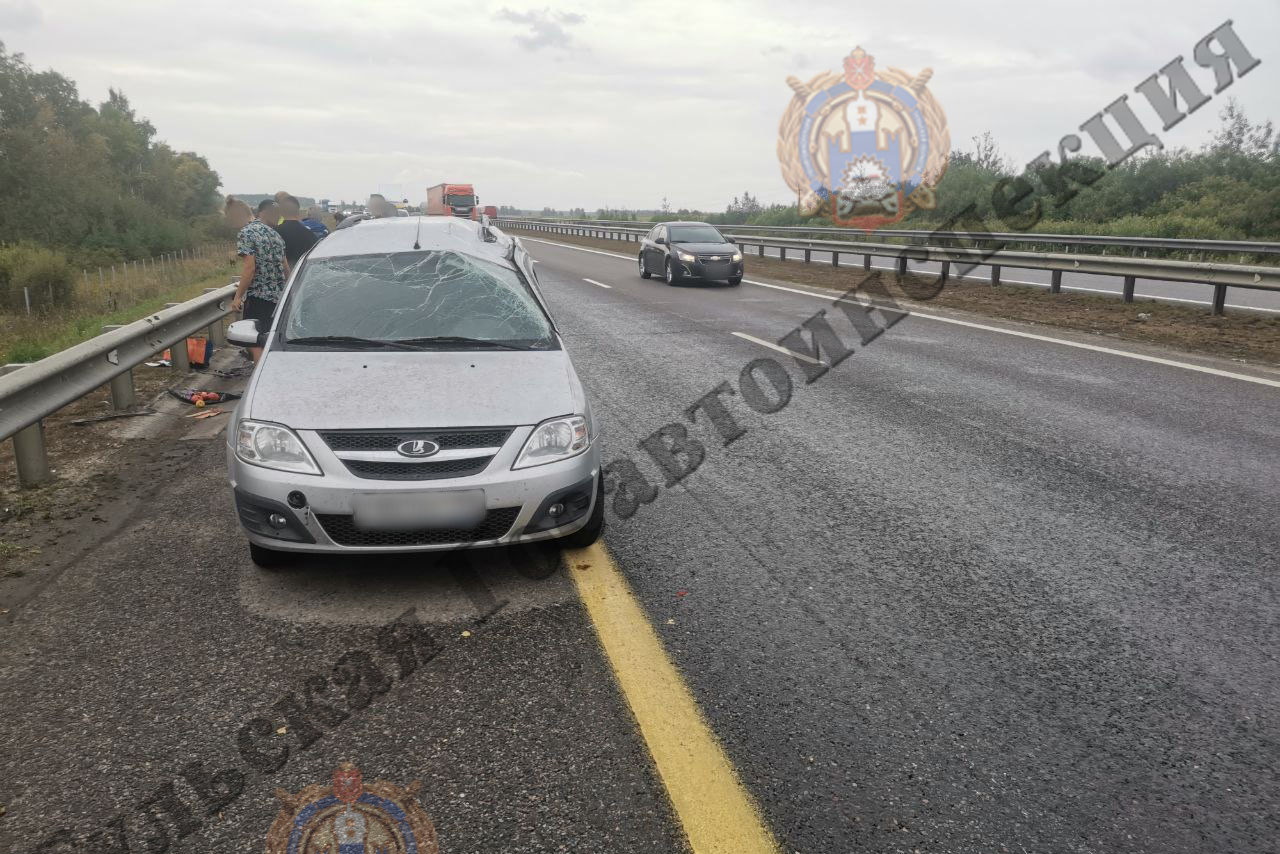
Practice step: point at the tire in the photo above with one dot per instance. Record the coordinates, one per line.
(735, 281)
(644, 271)
(673, 276)
(266, 558)
(590, 532)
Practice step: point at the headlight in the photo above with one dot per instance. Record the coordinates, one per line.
(273, 446)
(737, 256)
(554, 440)
(686, 257)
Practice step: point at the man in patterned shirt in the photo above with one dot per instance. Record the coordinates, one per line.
(265, 267)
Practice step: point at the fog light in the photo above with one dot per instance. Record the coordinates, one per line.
(277, 521)
(297, 500)
(555, 510)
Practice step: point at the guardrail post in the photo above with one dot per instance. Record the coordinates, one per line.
(1219, 299)
(178, 351)
(1128, 288)
(30, 456)
(782, 253)
(902, 265)
(122, 394)
(866, 262)
(28, 446)
(806, 255)
(1055, 282)
(946, 270)
(995, 274)
(217, 334)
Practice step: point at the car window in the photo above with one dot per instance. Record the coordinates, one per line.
(414, 295)
(661, 231)
(695, 234)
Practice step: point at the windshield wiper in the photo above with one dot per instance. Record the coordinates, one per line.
(445, 340)
(353, 340)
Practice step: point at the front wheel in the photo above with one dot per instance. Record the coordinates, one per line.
(644, 271)
(735, 281)
(673, 275)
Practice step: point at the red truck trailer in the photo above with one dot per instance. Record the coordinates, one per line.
(491, 211)
(453, 200)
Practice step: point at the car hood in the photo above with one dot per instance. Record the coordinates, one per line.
(370, 390)
(708, 248)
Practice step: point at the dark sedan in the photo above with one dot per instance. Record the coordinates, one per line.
(676, 250)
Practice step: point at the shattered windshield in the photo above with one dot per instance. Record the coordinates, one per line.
(457, 299)
(695, 234)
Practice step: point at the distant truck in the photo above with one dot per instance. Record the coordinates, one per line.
(453, 200)
(491, 211)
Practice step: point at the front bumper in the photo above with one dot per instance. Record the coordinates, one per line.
(516, 503)
(702, 269)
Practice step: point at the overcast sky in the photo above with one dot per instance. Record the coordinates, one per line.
(592, 104)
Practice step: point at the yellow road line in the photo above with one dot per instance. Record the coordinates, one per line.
(717, 813)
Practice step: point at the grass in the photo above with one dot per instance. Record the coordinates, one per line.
(29, 338)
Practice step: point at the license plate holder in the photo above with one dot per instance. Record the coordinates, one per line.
(419, 511)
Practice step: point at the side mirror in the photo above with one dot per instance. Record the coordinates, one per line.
(661, 241)
(244, 333)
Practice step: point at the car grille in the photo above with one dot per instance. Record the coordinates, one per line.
(378, 470)
(389, 440)
(342, 530)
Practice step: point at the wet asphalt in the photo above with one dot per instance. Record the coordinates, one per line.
(962, 592)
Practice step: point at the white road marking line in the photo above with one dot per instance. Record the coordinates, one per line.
(594, 282)
(1108, 350)
(793, 354)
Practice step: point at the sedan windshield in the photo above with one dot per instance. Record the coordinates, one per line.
(695, 234)
(441, 300)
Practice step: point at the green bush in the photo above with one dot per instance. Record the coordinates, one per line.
(46, 276)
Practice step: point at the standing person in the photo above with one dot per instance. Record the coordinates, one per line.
(298, 239)
(265, 268)
(269, 212)
(314, 220)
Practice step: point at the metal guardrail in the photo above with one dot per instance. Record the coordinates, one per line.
(29, 393)
(850, 235)
(1218, 275)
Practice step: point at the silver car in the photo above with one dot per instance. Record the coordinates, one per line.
(413, 395)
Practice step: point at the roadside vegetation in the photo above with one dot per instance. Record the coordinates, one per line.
(92, 303)
(1227, 189)
(102, 222)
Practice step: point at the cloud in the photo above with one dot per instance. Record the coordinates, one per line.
(547, 28)
(20, 14)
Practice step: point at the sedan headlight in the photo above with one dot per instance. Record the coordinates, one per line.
(554, 440)
(737, 256)
(273, 446)
(686, 257)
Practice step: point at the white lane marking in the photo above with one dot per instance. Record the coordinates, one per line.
(1079, 345)
(594, 282)
(792, 353)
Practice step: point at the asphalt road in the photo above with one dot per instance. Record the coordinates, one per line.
(965, 592)
(1184, 293)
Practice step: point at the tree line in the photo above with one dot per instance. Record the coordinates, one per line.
(94, 182)
(1227, 189)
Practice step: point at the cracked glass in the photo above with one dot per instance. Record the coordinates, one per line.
(415, 296)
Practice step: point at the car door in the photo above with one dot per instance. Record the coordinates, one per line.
(657, 261)
(648, 247)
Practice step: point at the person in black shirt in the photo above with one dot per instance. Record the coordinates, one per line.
(298, 239)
